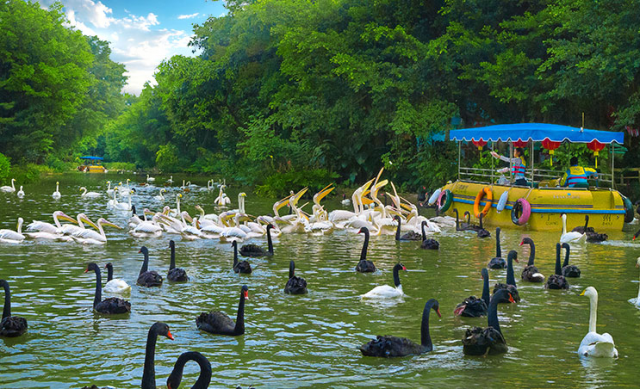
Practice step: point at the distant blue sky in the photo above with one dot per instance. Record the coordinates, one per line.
(141, 33)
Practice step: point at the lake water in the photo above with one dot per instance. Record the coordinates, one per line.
(301, 341)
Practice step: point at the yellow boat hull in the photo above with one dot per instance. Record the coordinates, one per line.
(605, 207)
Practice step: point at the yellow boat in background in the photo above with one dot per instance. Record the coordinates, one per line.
(539, 206)
(92, 165)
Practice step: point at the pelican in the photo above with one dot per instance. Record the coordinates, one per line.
(147, 228)
(150, 179)
(207, 219)
(93, 237)
(70, 229)
(48, 227)
(91, 195)
(9, 189)
(56, 195)
(20, 193)
(9, 236)
(160, 197)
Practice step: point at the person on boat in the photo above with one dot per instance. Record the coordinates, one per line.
(576, 176)
(517, 165)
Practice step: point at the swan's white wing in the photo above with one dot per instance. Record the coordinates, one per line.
(596, 345)
(117, 286)
(384, 291)
(11, 235)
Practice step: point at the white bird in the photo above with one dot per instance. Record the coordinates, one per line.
(48, 227)
(123, 206)
(115, 285)
(572, 236)
(160, 197)
(170, 180)
(386, 291)
(594, 344)
(56, 195)
(9, 189)
(70, 229)
(91, 195)
(222, 199)
(150, 179)
(345, 201)
(20, 193)
(109, 190)
(93, 237)
(9, 236)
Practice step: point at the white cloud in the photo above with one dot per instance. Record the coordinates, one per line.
(136, 41)
(189, 16)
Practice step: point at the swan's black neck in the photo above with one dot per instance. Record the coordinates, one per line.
(173, 257)
(239, 329)
(98, 297)
(558, 267)
(481, 215)
(586, 223)
(145, 264)
(6, 312)
(149, 372)
(425, 336)
(566, 254)
(292, 269)
(424, 234)
(493, 310)
(235, 254)
(204, 379)
(269, 241)
(398, 229)
(511, 279)
(532, 254)
(498, 250)
(457, 220)
(485, 287)
(396, 276)
(109, 272)
(363, 254)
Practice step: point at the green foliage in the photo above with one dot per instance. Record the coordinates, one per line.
(167, 157)
(5, 168)
(115, 166)
(279, 184)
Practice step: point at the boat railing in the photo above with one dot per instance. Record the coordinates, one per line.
(487, 176)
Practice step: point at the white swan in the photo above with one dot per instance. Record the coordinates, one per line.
(123, 206)
(170, 180)
(9, 189)
(160, 197)
(386, 291)
(56, 195)
(91, 195)
(9, 236)
(109, 190)
(570, 237)
(20, 193)
(222, 198)
(594, 344)
(93, 237)
(150, 179)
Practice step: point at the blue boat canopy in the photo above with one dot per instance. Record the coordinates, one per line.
(536, 132)
(93, 158)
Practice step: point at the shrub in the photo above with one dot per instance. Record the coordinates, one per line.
(5, 168)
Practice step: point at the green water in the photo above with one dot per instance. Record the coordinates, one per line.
(301, 341)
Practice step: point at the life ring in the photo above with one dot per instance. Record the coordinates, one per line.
(521, 212)
(628, 208)
(443, 205)
(434, 196)
(476, 205)
(503, 201)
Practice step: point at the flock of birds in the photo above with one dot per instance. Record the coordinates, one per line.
(369, 216)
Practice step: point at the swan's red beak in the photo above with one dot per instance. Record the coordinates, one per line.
(634, 238)
(511, 300)
(169, 335)
(521, 243)
(139, 251)
(516, 259)
(438, 312)
(458, 311)
(246, 295)
(86, 270)
(404, 268)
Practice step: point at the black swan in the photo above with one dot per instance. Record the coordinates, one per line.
(295, 285)
(530, 272)
(636, 235)
(253, 250)
(216, 322)
(392, 346)
(497, 262)
(557, 281)
(428, 244)
(460, 226)
(149, 372)
(511, 280)
(115, 285)
(243, 267)
(569, 271)
(365, 266)
(110, 306)
(473, 306)
(409, 236)
(146, 277)
(175, 274)
(10, 326)
(479, 341)
(584, 229)
(592, 235)
(204, 379)
(470, 226)
(482, 233)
